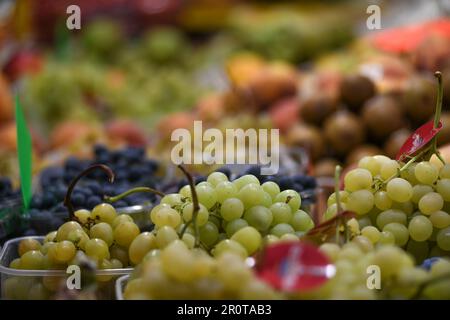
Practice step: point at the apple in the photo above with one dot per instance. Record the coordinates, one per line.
(284, 114)
(126, 131)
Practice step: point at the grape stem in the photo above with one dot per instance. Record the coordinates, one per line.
(132, 191)
(196, 206)
(68, 197)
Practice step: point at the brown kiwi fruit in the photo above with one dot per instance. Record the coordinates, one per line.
(308, 137)
(325, 167)
(356, 90)
(419, 99)
(362, 151)
(317, 108)
(344, 131)
(382, 116)
(395, 142)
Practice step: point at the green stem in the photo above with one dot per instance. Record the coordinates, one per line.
(195, 203)
(437, 114)
(131, 191)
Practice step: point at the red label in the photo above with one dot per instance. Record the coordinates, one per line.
(294, 266)
(419, 139)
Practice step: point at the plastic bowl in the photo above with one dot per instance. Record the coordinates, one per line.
(121, 282)
(17, 284)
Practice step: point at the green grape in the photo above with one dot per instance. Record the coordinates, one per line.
(270, 239)
(399, 231)
(153, 213)
(266, 200)
(407, 207)
(420, 228)
(50, 237)
(444, 172)
(102, 231)
(426, 172)
(409, 174)
(228, 245)
(371, 233)
(165, 235)
(281, 213)
(119, 253)
(38, 292)
(289, 237)
(389, 169)
(189, 240)
(291, 197)
(225, 190)
(205, 184)
(209, 234)
(332, 210)
(271, 188)
(216, 177)
(116, 264)
(371, 164)
(28, 244)
(358, 179)
(125, 232)
(360, 201)
(178, 262)
(389, 216)
(63, 230)
(15, 264)
(443, 239)
(79, 237)
(364, 221)
(32, 260)
(121, 218)
(140, 246)
(389, 260)
(259, 217)
(206, 196)
(281, 229)
(440, 219)
(83, 215)
(419, 190)
(202, 214)
(234, 226)
(301, 221)
(431, 202)
(443, 188)
(382, 201)
(419, 250)
(331, 250)
(250, 195)
(245, 180)
(386, 237)
(249, 238)
(222, 236)
(343, 196)
(215, 220)
(104, 212)
(97, 249)
(166, 216)
(381, 159)
(232, 209)
(399, 190)
(62, 252)
(172, 199)
(186, 192)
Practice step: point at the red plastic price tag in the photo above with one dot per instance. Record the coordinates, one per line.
(418, 140)
(294, 267)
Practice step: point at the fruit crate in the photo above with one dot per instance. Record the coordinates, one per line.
(17, 284)
(10, 211)
(121, 282)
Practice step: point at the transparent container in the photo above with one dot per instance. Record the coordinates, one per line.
(121, 282)
(17, 284)
(10, 212)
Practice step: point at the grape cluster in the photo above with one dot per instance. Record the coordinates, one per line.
(6, 189)
(101, 236)
(399, 277)
(407, 205)
(240, 215)
(176, 272)
(131, 168)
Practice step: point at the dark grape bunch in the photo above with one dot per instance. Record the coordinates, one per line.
(130, 165)
(6, 189)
